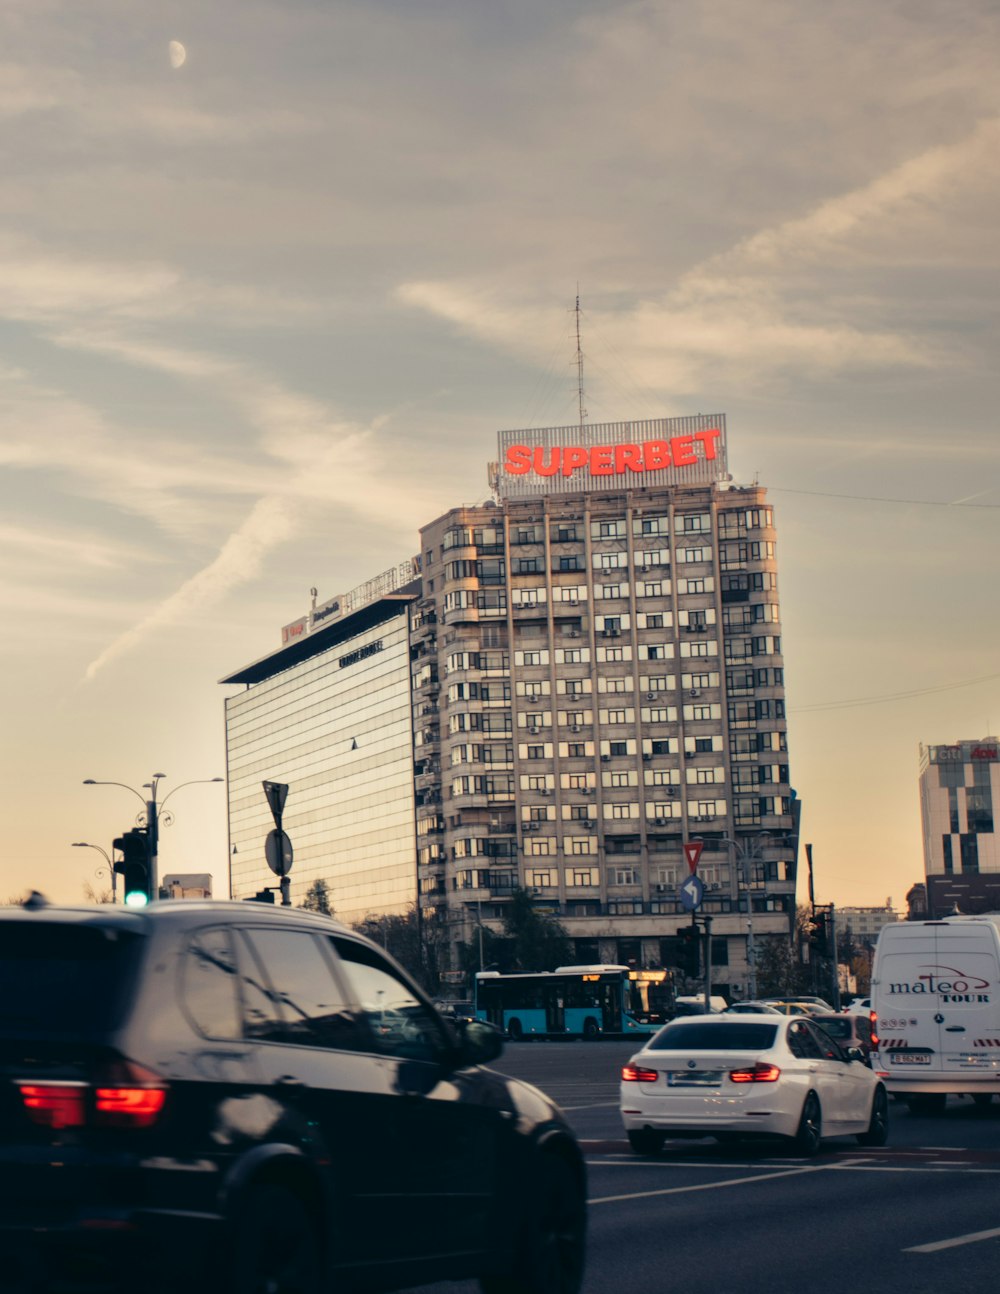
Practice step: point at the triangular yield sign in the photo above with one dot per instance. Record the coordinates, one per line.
(692, 852)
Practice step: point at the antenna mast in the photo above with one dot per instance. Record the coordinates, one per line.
(579, 363)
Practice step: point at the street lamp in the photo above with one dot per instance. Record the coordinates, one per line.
(745, 858)
(153, 814)
(82, 844)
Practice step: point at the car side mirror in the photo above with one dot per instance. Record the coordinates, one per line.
(479, 1042)
(855, 1053)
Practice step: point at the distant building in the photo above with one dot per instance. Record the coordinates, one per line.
(959, 787)
(865, 923)
(585, 676)
(186, 885)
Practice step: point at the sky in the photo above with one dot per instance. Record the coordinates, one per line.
(273, 273)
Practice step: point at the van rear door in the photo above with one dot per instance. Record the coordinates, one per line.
(968, 997)
(909, 1035)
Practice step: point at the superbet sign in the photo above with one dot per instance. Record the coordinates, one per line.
(664, 451)
(613, 460)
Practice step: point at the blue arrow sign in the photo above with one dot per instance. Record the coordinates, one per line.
(691, 893)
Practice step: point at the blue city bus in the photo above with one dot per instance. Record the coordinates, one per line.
(576, 1001)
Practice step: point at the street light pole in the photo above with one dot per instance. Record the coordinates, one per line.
(83, 844)
(745, 859)
(153, 814)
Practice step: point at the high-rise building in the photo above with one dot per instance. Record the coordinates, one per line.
(592, 676)
(959, 786)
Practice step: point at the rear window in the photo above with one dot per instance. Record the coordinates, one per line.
(64, 980)
(699, 1035)
(836, 1028)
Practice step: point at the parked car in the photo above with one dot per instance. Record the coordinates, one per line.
(241, 1097)
(694, 1004)
(749, 1076)
(798, 1005)
(752, 1008)
(849, 1028)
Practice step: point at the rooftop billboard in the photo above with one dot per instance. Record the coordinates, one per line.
(611, 455)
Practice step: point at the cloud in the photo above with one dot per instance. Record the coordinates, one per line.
(776, 301)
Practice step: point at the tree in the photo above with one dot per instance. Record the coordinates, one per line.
(400, 935)
(779, 966)
(537, 941)
(317, 898)
(96, 896)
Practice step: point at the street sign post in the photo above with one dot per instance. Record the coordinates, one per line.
(691, 893)
(277, 846)
(278, 855)
(692, 852)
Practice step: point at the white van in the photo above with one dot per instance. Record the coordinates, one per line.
(936, 1009)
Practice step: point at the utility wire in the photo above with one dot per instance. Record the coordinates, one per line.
(889, 696)
(875, 498)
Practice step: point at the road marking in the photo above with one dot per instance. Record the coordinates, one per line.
(707, 1186)
(971, 1238)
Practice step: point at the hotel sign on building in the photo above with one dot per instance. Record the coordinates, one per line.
(608, 455)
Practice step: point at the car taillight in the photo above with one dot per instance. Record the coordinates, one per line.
(128, 1107)
(127, 1096)
(55, 1105)
(873, 1017)
(760, 1073)
(122, 1095)
(636, 1074)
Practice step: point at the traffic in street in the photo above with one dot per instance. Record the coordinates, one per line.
(919, 1214)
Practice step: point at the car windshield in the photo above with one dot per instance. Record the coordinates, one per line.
(700, 1035)
(61, 979)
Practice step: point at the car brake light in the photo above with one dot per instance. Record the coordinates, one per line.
(55, 1105)
(128, 1107)
(636, 1074)
(127, 1096)
(123, 1095)
(873, 1016)
(760, 1073)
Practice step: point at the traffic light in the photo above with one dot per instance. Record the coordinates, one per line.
(689, 950)
(134, 866)
(816, 932)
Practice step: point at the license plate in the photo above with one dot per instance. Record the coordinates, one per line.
(906, 1059)
(695, 1078)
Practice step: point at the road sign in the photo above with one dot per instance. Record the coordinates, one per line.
(279, 859)
(691, 893)
(692, 852)
(277, 794)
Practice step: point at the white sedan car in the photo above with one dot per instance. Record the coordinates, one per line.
(733, 1076)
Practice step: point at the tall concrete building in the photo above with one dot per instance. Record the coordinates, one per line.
(594, 688)
(959, 787)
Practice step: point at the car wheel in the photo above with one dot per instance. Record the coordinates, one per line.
(810, 1132)
(514, 1031)
(275, 1245)
(590, 1028)
(644, 1141)
(553, 1244)
(878, 1124)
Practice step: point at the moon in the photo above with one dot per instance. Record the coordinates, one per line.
(178, 54)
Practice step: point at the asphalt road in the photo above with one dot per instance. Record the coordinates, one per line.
(921, 1215)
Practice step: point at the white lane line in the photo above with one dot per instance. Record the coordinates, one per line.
(706, 1186)
(954, 1242)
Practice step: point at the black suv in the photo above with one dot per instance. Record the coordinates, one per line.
(259, 1100)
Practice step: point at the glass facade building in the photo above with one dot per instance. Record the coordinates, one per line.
(572, 684)
(331, 717)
